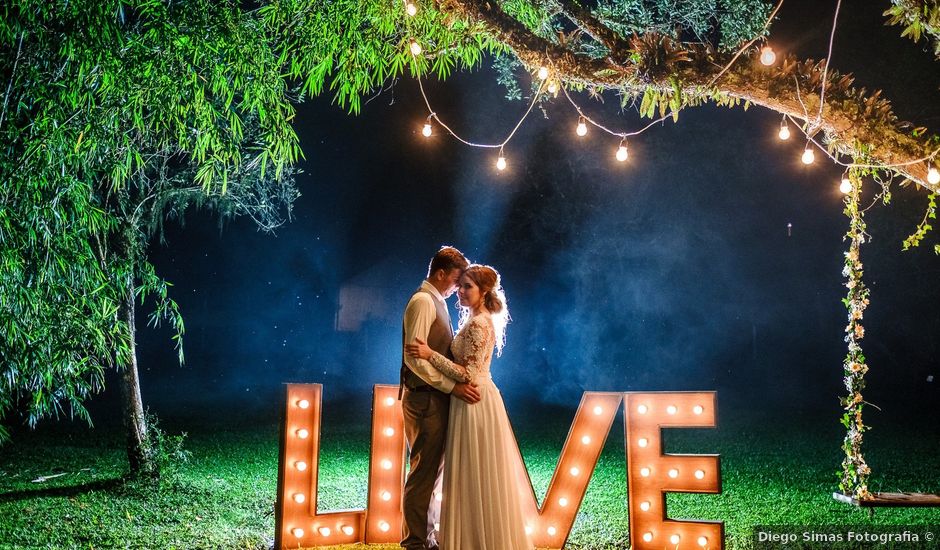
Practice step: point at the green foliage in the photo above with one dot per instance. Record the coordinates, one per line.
(117, 115)
(734, 22)
(919, 18)
(923, 227)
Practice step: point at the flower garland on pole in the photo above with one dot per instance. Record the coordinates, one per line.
(855, 471)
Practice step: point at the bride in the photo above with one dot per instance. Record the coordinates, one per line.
(481, 507)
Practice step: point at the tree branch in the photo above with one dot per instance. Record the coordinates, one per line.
(854, 122)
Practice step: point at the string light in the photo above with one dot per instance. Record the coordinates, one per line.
(622, 153)
(415, 48)
(808, 155)
(501, 161)
(933, 175)
(845, 186)
(543, 73)
(411, 9)
(553, 87)
(426, 131)
(767, 56)
(784, 133)
(582, 127)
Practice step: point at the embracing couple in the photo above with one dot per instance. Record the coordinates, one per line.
(455, 419)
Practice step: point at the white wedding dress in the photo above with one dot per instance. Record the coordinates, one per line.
(481, 508)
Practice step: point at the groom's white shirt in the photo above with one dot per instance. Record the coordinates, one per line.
(419, 314)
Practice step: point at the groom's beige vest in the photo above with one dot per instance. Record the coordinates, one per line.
(440, 336)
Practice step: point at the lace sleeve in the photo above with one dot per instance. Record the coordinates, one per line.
(448, 367)
(480, 342)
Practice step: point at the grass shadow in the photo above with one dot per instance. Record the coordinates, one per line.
(64, 491)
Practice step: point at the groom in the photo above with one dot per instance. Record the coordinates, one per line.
(425, 392)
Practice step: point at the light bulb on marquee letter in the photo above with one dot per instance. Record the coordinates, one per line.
(348, 530)
(303, 404)
(767, 56)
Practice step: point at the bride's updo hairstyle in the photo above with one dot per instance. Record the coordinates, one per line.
(494, 300)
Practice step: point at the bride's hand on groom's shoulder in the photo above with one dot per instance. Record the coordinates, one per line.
(419, 348)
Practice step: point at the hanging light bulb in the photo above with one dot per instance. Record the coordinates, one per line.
(933, 175)
(426, 131)
(501, 161)
(622, 151)
(784, 133)
(411, 9)
(543, 73)
(845, 186)
(415, 48)
(553, 87)
(582, 128)
(767, 56)
(808, 155)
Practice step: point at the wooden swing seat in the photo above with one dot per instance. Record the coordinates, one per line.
(895, 500)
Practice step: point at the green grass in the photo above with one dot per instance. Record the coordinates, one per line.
(224, 496)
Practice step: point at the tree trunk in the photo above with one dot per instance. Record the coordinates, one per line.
(139, 450)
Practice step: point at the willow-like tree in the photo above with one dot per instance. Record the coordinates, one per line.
(117, 115)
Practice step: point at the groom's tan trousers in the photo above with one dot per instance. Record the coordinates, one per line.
(426, 413)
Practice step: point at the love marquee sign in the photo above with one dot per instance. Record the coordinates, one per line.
(650, 472)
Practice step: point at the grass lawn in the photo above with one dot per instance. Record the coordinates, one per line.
(224, 496)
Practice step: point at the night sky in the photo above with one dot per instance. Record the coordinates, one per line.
(672, 271)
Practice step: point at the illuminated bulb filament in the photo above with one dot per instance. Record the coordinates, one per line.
(386, 495)
(303, 404)
(586, 440)
(699, 474)
(933, 175)
(647, 536)
(563, 502)
(582, 128)
(386, 464)
(347, 530)
(622, 153)
(645, 505)
(698, 409)
(426, 132)
(808, 156)
(784, 132)
(642, 442)
(415, 48)
(674, 539)
(673, 473)
(302, 433)
(767, 56)
(299, 498)
(645, 472)
(300, 465)
(325, 531)
(297, 532)
(384, 526)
